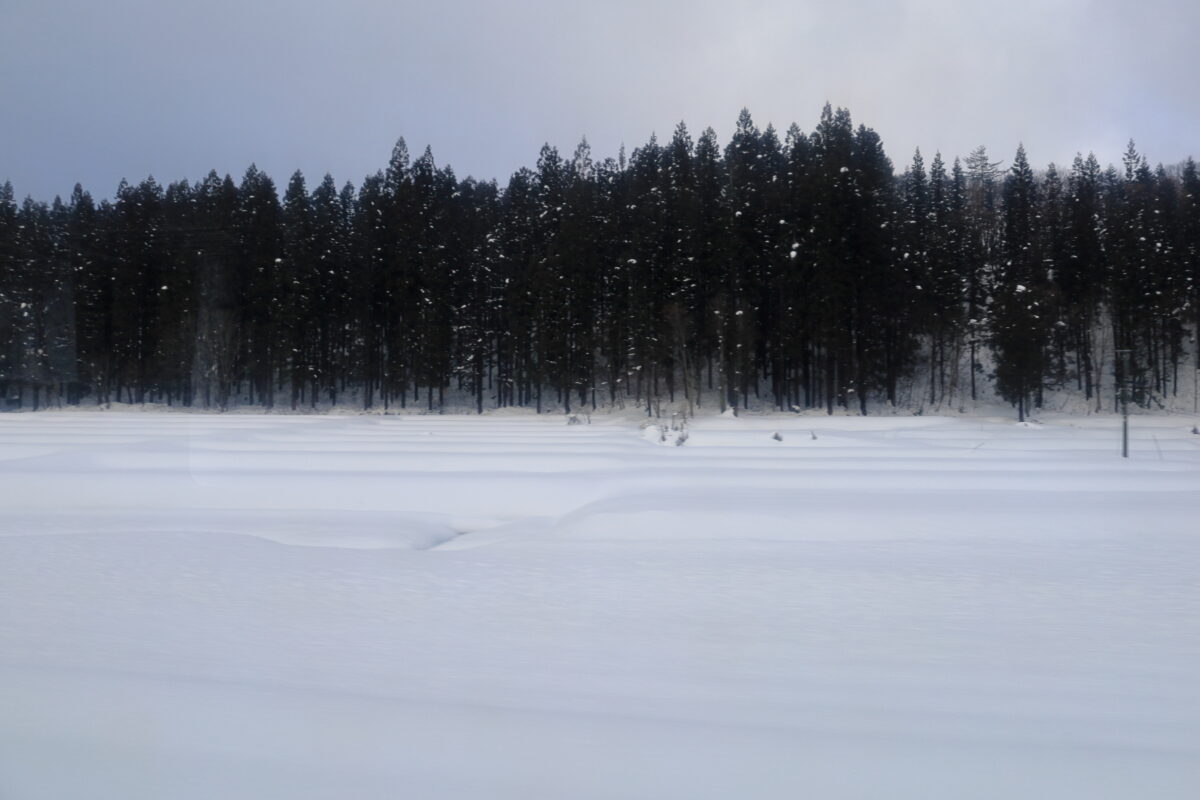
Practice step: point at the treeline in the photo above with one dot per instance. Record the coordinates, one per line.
(800, 273)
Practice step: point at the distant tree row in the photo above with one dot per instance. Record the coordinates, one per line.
(795, 273)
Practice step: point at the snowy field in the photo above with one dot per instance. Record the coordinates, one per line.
(258, 607)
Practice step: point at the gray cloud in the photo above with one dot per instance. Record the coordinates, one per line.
(99, 91)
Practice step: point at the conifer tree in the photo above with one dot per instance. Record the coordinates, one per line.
(1083, 278)
(1020, 313)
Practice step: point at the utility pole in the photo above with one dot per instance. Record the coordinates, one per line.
(1123, 380)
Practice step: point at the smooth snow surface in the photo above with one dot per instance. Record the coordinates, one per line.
(265, 607)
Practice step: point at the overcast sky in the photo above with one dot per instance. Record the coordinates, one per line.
(97, 90)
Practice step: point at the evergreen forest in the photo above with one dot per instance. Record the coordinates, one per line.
(802, 271)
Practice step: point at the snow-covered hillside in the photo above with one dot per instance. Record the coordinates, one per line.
(198, 606)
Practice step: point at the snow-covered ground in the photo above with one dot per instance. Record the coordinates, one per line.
(261, 607)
